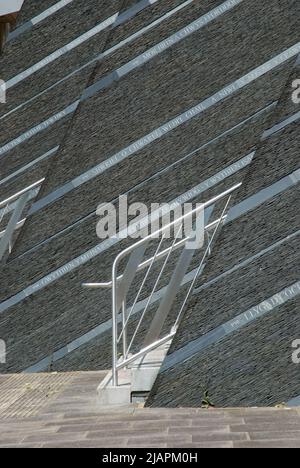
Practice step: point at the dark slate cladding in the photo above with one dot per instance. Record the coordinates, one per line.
(17, 181)
(52, 34)
(33, 148)
(48, 320)
(287, 107)
(228, 370)
(117, 59)
(19, 115)
(254, 263)
(34, 100)
(143, 163)
(32, 8)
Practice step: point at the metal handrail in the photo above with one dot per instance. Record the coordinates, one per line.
(118, 283)
(146, 263)
(18, 226)
(20, 200)
(17, 195)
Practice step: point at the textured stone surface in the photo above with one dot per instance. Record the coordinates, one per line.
(51, 34)
(287, 106)
(31, 9)
(142, 165)
(68, 417)
(252, 365)
(33, 148)
(24, 179)
(174, 81)
(163, 187)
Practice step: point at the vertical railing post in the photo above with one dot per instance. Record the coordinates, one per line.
(114, 328)
(124, 328)
(5, 240)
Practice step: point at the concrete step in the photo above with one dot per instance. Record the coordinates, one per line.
(134, 381)
(68, 416)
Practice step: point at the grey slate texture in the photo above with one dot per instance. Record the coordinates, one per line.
(31, 8)
(64, 25)
(142, 165)
(59, 312)
(52, 34)
(253, 365)
(44, 104)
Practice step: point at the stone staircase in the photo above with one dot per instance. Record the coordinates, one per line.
(66, 415)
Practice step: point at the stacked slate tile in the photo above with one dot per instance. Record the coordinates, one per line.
(161, 101)
(237, 342)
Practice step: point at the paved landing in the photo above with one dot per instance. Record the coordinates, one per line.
(60, 410)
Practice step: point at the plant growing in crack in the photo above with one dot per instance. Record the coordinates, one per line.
(281, 405)
(50, 366)
(206, 401)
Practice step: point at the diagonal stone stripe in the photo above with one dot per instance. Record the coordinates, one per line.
(196, 346)
(108, 52)
(214, 140)
(106, 326)
(103, 246)
(92, 253)
(263, 195)
(119, 73)
(281, 125)
(243, 264)
(118, 18)
(161, 47)
(38, 19)
(29, 165)
(39, 128)
(166, 128)
(166, 169)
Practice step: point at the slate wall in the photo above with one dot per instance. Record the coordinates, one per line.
(46, 317)
(235, 340)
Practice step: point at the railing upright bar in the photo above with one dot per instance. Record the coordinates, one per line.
(5, 240)
(20, 199)
(114, 325)
(155, 234)
(145, 263)
(148, 302)
(134, 304)
(124, 330)
(128, 276)
(137, 296)
(168, 253)
(4, 212)
(169, 295)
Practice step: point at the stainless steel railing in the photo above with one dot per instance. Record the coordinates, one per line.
(15, 205)
(120, 284)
